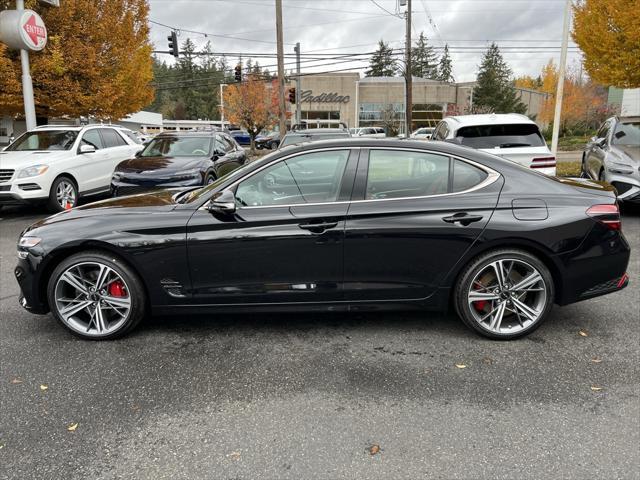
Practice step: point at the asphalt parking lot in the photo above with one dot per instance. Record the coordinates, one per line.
(393, 395)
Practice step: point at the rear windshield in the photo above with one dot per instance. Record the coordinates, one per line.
(501, 136)
(299, 138)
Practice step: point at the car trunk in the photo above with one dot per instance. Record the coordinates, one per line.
(522, 155)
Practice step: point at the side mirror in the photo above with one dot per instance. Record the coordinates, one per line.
(87, 149)
(223, 203)
(602, 142)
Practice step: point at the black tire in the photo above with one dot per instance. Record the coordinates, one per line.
(273, 145)
(53, 204)
(135, 290)
(209, 179)
(583, 170)
(601, 177)
(463, 285)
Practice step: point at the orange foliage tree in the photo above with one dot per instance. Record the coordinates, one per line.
(97, 61)
(252, 104)
(608, 33)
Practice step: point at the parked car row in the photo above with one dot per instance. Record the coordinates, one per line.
(58, 165)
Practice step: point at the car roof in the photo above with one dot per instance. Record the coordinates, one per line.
(315, 131)
(77, 128)
(186, 134)
(488, 119)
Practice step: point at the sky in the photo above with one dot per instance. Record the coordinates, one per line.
(337, 34)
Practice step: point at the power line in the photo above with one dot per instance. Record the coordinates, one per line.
(384, 9)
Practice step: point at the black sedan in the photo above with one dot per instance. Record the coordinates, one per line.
(340, 225)
(179, 159)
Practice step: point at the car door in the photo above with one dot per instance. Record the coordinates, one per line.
(89, 167)
(413, 216)
(284, 243)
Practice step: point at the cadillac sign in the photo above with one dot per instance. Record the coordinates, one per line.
(307, 96)
(22, 30)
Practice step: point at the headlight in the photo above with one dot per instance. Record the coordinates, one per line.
(621, 168)
(187, 174)
(28, 242)
(33, 171)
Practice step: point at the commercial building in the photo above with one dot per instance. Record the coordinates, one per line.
(357, 101)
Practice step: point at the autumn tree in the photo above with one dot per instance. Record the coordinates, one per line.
(250, 104)
(382, 63)
(97, 61)
(608, 33)
(494, 88)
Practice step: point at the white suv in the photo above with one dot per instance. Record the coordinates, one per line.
(511, 135)
(375, 132)
(57, 165)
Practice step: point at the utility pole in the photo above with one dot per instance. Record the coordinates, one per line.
(408, 104)
(560, 88)
(298, 86)
(27, 83)
(283, 124)
(222, 105)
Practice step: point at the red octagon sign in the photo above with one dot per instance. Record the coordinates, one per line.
(33, 30)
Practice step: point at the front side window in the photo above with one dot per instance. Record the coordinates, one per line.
(44, 140)
(399, 174)
(92, 138)
(178, 147)
(309, 178)
(501, 136)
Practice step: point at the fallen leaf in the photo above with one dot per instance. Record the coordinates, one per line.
(72, 427)
(44, 387)
(460, 365)
(16, 380)
(374, 449)
(595, 388)
(487, 360)
(583, 333)
(596, 360)
(234, 455)
(1, 446)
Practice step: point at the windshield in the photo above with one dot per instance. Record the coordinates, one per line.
(501, 136)
(44, 140)
(627, 133)
(309, 137)
(178, 147)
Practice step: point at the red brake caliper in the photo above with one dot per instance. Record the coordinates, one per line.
(116, 289)
(480, 304)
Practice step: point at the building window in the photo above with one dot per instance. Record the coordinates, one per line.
(320, 115)
(371, 114)
(426, 115)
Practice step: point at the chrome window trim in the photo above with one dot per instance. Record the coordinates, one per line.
(492, 176)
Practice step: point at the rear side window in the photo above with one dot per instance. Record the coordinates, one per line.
(398, 174)
(111, 138)
(501, 136)
(132, 136)
(466, 176)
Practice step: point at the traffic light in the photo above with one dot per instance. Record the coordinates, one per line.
(292, 94)
(173, 44)
(238, 73)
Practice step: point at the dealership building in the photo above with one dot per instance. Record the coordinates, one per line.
(331, 98)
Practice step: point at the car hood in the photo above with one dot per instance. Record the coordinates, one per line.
(22, 159)
(630, 151)
(153, 164)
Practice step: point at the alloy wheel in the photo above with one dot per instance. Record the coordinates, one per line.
(507, 296)
(66, 194)
(92, 299)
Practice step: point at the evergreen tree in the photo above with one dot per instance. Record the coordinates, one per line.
(494, 88)
(382, 63)
(445, 67)
(424, 62)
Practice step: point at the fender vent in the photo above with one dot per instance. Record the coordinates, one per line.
(172, 287)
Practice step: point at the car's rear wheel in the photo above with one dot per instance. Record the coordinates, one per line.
(96, 296)
(209, 179)
(504, 294)
(63, 195)
(273, 145)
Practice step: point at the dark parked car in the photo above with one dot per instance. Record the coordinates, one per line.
(180, 159)
(613, 155)
(241, 136)
(270, 141)
(313, 135)
(341, 225)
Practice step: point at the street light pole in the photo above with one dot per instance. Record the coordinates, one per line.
(222, 105)
(27, 83)
(283, 124)
(408, 78)
(560, 88)
(298, 86)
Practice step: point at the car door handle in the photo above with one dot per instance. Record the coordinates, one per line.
(462, 218)
(318, 227)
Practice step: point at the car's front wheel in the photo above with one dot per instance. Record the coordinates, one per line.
(96, 296)
(504, 294)
(63, 195)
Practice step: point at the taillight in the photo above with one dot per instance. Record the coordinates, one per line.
(543, 162)
(608, 215)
